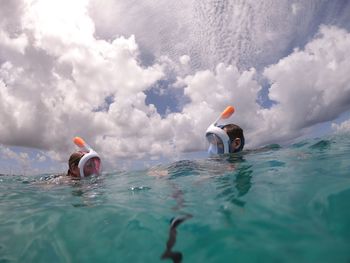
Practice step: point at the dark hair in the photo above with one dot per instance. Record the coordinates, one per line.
(74, 160)
(234, 131)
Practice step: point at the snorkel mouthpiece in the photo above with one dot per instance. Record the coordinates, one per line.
(90, 163)
(221, 144)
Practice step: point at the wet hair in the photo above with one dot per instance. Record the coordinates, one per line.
(234, 131)
(74, 160)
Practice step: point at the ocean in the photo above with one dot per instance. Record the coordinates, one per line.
(276, 204)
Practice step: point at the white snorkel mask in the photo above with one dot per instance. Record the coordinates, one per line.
(219, 141)
(90, 163)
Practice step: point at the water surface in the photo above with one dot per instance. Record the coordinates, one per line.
(279, 204)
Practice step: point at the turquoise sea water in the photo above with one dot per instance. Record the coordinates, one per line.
(280, 204)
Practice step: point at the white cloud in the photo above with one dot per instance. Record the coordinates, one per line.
(55, 82)
(21, 158)
(210, 92)
(41, 158)
(81, 72)
(58, 24)
(185, 59)
(295, 8)
(247, 33)
(343, 127)
(17, 44)
(310, 86)
(7, 153)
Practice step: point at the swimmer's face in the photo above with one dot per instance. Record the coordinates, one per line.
(215, 140)
(74, 170)
(92, 166)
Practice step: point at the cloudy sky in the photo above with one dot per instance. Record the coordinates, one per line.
(142, 80)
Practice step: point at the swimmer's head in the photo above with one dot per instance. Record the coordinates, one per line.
(224, 139)
(85, 162)
(73, 162)
(227, 138)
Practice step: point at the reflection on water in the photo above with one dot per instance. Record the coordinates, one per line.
(332, 203)
(183, 168)
(235, 184)
(231, 176)
(88, 191)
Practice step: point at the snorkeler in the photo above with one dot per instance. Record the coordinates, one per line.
(84, 162)
(227, 138)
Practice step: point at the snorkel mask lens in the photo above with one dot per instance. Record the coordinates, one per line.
(92, 166)
(216, 146)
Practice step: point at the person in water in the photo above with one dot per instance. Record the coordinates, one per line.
(84, 162)
(227, 138)
(90, 166)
